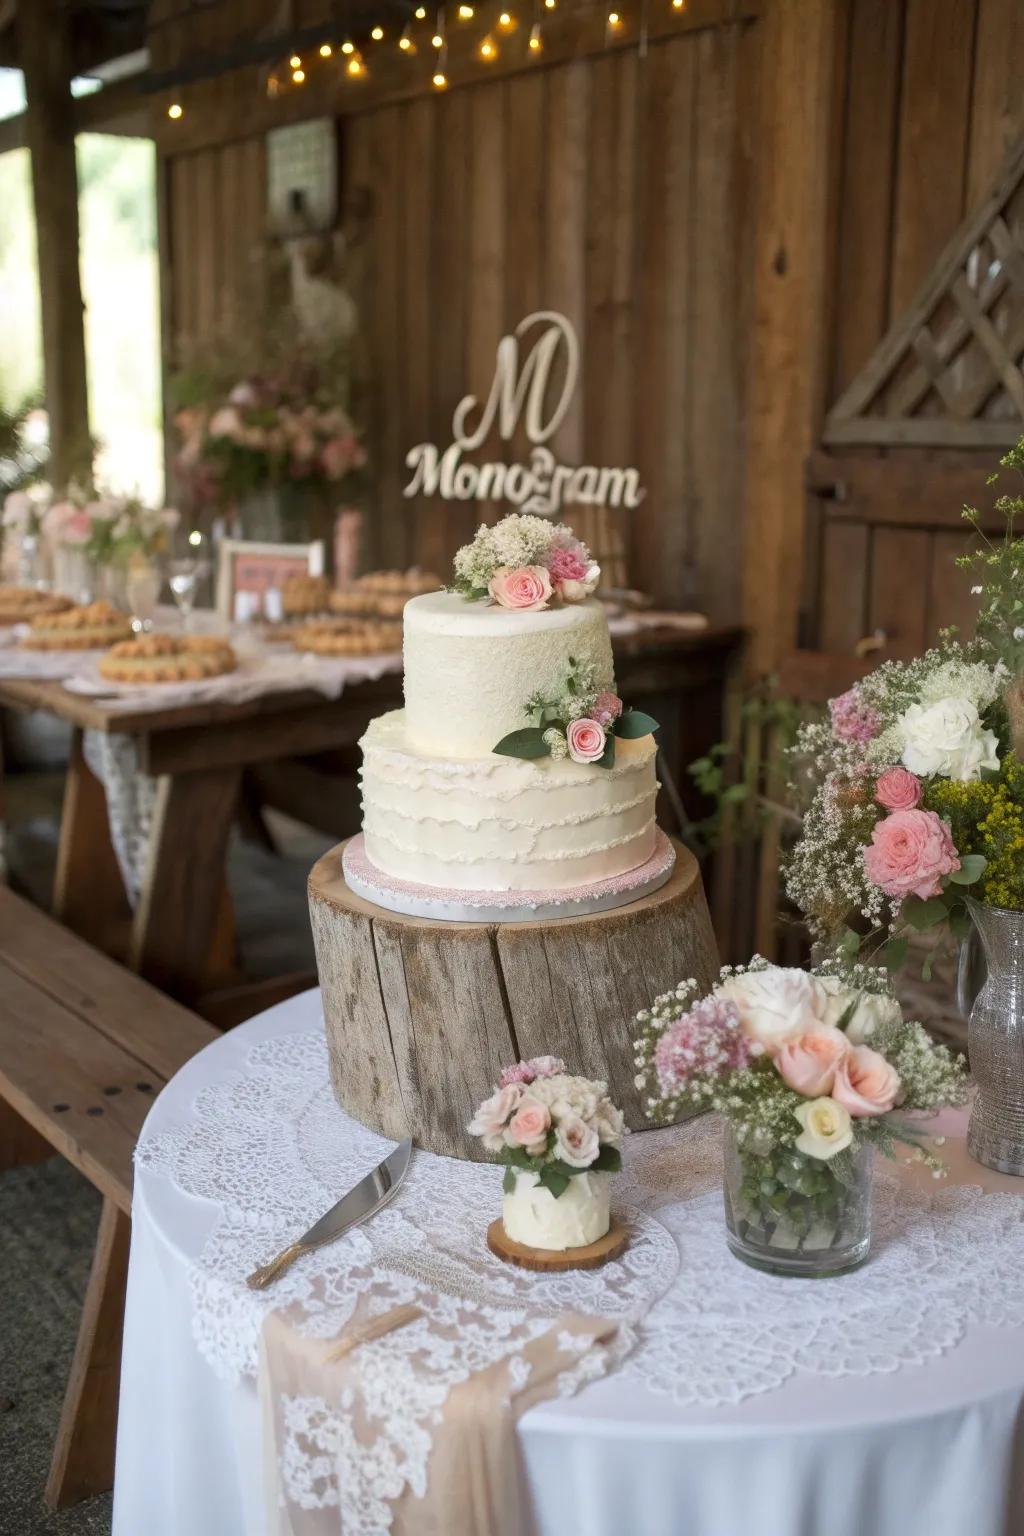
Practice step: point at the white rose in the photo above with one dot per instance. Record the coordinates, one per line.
(495, 1112)
(827, 1128)
(576, 1142)
(608, 1122)
(873, 1011)
(947, 738)
(775, 1004)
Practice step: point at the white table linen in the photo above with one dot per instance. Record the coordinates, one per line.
(913, 1449)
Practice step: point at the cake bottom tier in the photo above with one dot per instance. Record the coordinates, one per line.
(503, 823)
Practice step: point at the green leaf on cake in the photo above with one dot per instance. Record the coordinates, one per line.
(633, 724)
(555, 1177)
(607, 758)
(608, 1160)
(508, 1183)
(529, 742)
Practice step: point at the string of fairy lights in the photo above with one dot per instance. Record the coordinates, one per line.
(427, 31)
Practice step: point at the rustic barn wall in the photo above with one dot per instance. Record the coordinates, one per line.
(612, 188)
(934, 101)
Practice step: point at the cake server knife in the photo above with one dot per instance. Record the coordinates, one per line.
(369, 1196)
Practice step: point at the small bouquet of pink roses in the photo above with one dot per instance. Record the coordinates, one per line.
(526, 563)
(807, 1069)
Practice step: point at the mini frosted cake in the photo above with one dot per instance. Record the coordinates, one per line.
(559, 1138)
(89, 627)
(513, 766)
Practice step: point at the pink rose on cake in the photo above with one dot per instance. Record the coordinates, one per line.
(493, 1115)
(898, 789)
(909, 853)
(574, 575)
(527, 588)
(529, 1126)
(586, 740)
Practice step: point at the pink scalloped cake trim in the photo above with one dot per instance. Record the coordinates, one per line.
(356, 863)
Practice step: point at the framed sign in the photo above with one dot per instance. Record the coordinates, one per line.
(259, 571)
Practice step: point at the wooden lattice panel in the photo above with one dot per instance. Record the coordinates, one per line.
(949, 373)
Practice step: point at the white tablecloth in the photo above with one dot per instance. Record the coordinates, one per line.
(934, 1448)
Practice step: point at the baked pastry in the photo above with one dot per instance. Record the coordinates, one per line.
(346, 637)
(91, 626)
(19, 604)
(383, 594)
(305, 594)
(168, 659)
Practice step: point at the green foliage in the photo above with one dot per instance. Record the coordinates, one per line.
(528, 742)
(999, 571)
(733, 779)
(633, 723)
(552, 1172)
(986, 818)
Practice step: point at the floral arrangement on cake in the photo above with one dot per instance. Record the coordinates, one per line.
(914, 801)
(544, 1121)
(807, 1068)
(526, 563)
(582, 722)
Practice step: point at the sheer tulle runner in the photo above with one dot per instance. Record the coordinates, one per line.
(413, 1441)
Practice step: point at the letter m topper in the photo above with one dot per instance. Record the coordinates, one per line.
(513, 389)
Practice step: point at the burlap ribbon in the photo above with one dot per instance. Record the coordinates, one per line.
(474, 1484)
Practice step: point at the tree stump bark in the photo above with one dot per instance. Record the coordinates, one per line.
(421, 1016)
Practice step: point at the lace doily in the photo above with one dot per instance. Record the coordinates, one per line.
(272, 1150)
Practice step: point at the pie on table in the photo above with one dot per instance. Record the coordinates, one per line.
(346, 637)
(88, 627)
(168, 659)
(383, 594)
(19, 604)
(305, 595)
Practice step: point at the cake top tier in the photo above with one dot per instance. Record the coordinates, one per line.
(525, 564)
(470, 666)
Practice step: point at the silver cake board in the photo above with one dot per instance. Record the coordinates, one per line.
(453, 906)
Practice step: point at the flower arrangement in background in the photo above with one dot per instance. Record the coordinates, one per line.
(541, 1120)
(24, 510)
(527, 563)
(807, 1068)
(109, 529)
(581, 722)
(904, 777)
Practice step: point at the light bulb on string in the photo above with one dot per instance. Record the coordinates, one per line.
(298, 75)
(506, 21)
(355, 67)
(348, 46)
(488, 50)
(377, 33)
(440, 80)
(679, 5)
(437, 40)
(420, 13)
(466, 13)
(295, 61)
(406, 43)
(549, 5)
(175, 110)
(326, 50)
(614, 20)
(535, 43)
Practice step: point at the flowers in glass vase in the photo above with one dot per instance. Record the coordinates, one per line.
(902, 780)
(544, 1121)
(23, 510)
(526, 563)
(583, 722)
(108, 527)
(808, 1069)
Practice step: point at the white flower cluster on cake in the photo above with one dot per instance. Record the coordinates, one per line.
(581, 721)
(812, 1062)
(540, 1119)
(526, 563)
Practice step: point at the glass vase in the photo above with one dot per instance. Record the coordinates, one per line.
(74, 573)
(790, 1214)
(995, 1042)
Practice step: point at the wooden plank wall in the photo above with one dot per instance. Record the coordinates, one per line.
(934, 100)
(613, 188)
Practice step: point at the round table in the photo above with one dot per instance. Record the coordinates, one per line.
(912, 1449)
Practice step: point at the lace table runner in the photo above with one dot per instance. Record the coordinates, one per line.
(271, 1149)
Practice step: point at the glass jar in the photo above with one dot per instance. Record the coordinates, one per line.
(995, 1042)
(791, 1214)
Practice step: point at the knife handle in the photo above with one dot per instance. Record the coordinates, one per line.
(268, 1273)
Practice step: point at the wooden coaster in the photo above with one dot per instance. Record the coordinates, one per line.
(591, 1257)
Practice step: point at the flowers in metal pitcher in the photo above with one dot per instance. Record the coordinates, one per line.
(582, 722)
(527, 563)
(541, 1119)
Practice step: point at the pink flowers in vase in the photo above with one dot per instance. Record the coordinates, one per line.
(909, 853)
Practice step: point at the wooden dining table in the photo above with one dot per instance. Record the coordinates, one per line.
(180, 933)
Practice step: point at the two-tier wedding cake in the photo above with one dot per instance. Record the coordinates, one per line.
(514, 776)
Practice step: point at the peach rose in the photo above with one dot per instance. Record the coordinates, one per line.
(494, 1112)
(528, 587)
(529, 1126)
(898, 790)
(908, 854)
(865, 1083)
(586, 740)
(808, 1063)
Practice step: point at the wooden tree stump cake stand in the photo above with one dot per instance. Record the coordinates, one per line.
(422, 1015)
(551, 1261)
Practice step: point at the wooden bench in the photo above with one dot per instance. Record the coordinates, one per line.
(85, 1046)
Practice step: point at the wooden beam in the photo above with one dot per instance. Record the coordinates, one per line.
(799, 45)
(49, 120)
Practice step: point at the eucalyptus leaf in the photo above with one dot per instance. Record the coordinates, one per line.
(972, 867)
(849, 944)
(608, 1160)
(633, 724)
(529, 742)
(895, 953)
(925, 914)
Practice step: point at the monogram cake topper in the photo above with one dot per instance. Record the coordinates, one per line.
(519, 393)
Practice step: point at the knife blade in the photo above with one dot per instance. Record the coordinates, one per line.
(369, 1196)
